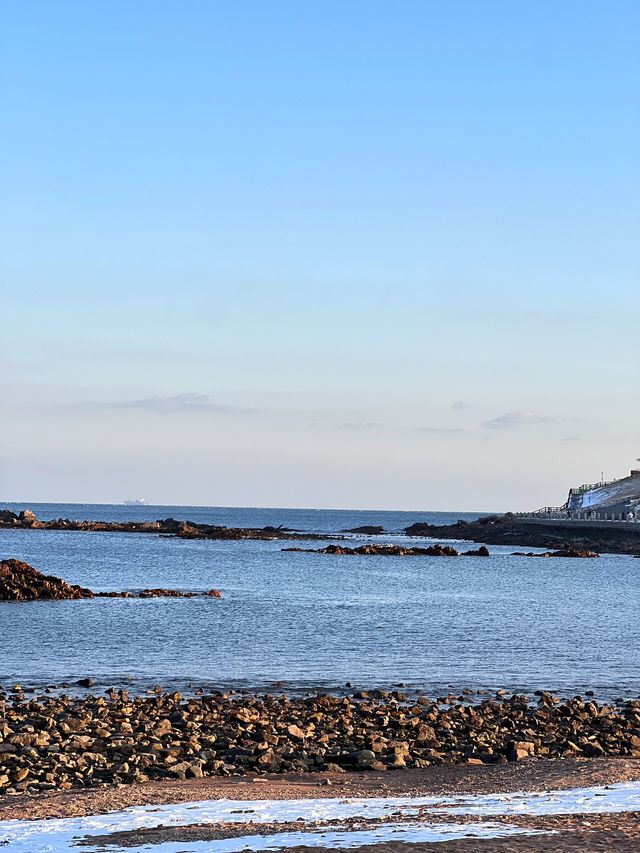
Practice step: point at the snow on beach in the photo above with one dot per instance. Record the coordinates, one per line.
(51, 836)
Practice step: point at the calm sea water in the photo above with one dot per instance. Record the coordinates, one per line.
(306, 620)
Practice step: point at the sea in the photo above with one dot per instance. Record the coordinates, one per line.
(298, 622)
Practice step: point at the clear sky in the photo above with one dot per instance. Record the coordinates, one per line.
(348, 254)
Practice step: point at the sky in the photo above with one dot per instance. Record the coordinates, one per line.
(337, 254)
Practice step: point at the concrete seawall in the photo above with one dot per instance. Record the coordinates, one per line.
(580, 524)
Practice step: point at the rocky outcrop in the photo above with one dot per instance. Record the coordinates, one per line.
(21, 582)
(172, 593)
(24, 519)
(393, 551)
(59, 743)
(564, 552)
(509, 529)
(367, 530)
(27, 520)
(208, 531)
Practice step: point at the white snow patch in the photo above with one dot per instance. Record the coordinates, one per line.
(407, 833)
(52, 836)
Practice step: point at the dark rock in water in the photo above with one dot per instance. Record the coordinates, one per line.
(564, 552)
(367, 530)
(209, 531)
(573, 552)
(21, 582)
(382, 551)
(171, 525)
(163, 527)
(162, 593)
(509, 529)
(482, 551)
(173, 593)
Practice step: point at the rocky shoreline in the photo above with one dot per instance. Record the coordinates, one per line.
(508, 529)
(27, 520)
(431, 551)
(50, 743)
(505, 529)
(390, 551)
(21, 582)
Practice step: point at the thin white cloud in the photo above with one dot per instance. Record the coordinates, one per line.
(515, 420)
(358, 425)
(180, 403)
(441, 430)
(462, 406)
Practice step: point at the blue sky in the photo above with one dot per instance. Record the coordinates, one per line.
(254, 253)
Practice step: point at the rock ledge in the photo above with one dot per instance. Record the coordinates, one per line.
(21, 582)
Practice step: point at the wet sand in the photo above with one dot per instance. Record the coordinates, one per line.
(619, 833)
(577, 833)
(599, 838)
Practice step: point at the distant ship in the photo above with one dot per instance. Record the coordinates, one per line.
(135, 502)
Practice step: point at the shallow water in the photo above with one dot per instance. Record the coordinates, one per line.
(308, 620)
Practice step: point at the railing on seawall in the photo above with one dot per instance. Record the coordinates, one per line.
(556, 512)
(559, 514)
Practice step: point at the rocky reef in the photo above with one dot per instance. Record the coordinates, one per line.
(59, 743)
(367, 530)
(509, 529)
(27, 520)
(394, 551)
(21, 582)
(434, 551)
(563, 552)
